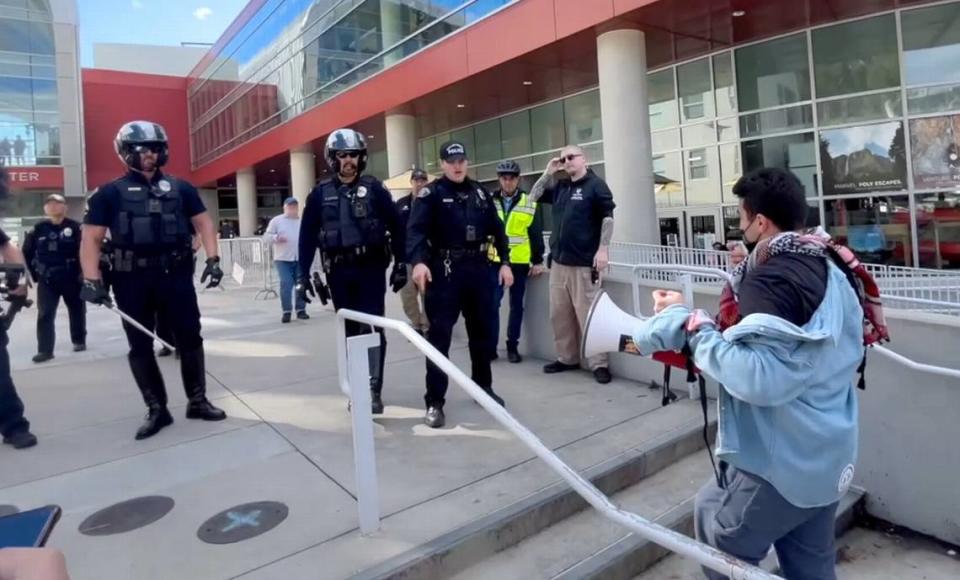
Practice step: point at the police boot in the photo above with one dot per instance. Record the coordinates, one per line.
(512, 354)
(192, 371)
(150, 382)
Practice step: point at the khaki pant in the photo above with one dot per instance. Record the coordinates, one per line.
(410, 297)
(571, 294)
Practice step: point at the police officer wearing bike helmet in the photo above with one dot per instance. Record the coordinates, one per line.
(151, 218)
(352, 220)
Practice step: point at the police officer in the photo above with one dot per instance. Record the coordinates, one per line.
(352, 220)
(151, 218)
(524, 229)
(447, 235)
(52, 251)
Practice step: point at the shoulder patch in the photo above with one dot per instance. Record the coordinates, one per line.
(424, 192)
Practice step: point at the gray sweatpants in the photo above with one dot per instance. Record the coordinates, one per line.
(750, 515)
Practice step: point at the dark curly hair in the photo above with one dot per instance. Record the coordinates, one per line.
(777, 194)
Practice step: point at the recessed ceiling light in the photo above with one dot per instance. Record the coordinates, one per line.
(739, 13)
(527, 83)
(461, 106)
(273, 171)
(369, 136)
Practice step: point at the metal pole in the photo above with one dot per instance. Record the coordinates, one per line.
(129, 320)
(364, 451)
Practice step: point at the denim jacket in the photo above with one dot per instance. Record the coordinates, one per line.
(787, 406)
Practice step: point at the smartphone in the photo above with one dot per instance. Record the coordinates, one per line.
(29, 529)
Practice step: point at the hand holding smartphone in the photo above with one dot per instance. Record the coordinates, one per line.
(29, 529)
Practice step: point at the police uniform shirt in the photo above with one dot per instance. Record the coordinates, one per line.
(66, 238)
(105, 203)
(443, 215)
(579, 208)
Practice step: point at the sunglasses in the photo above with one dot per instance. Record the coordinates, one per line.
(346, 154)
(155, 148)
(570, 157)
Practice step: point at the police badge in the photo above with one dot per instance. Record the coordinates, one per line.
(164, 186)
(362, 191)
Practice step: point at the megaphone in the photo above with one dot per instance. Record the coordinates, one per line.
(608, 329)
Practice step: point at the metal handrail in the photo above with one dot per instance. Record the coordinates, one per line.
(354, 361)
(686, 283)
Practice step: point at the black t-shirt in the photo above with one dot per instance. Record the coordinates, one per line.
(579, 208)
(4, 239)
(788, 286)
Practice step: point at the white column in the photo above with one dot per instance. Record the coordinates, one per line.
(391, 29)
(401, 142)
(247, 201)
(627, 153)
(303, 173)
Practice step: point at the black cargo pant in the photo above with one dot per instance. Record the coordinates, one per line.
(12, 420)
(362, 286)
(49, 292)
(468, 289)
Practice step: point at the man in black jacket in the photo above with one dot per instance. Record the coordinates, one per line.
(409, 294)
(579, 251)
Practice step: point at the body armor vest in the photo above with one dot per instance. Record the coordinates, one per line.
(150, 216)
(58, 249)
(348, 217)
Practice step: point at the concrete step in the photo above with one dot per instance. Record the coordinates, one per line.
(673, 567)
(458, 550)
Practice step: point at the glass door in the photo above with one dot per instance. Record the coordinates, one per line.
(704, 227)
(673, 229)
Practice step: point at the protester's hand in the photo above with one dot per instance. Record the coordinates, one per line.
(699, 318)
(422, 277)
(212, 271)
(664, 298)
(94, 292)
(553, 166)
(738, 253)
(398, 277)
(32, 564)
(601, 261)
(537, 270)
(304, 289)
(506, 276)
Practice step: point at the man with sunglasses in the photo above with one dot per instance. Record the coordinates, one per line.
(352, 220)
(579, 253)
(152, 218)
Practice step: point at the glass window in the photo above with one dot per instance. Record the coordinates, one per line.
(16, 93)
(860, 109)
(931, 44)
(668, 180)
(582, 113)
(792, 152)
(938, 229)
(863, 159)
(856, 56)
(44, 95)
(728, 129)
(703, 176)
(876, 228)
(547, 126)
(935, 152)
(773, 73)
(696, 93)
(730, 170)
(723, 84)
(488, 141)
(777, 121)
(465, 136)
(515, 133)
(933, 99)
(663, 99)
(700, 134)
(665, 140)
(731, 223)
(428, 154)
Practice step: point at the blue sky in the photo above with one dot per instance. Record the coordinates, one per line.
(167, 22)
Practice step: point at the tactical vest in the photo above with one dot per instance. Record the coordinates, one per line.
(57, 249)
(348, 218)
(518, 221)
(150, 216)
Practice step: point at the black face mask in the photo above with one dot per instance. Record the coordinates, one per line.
(743, 236)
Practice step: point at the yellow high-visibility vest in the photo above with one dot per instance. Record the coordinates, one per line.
(518, 221)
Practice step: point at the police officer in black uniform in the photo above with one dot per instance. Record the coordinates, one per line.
(52, 251)
(352, 220)
(447, 236)
(151, 218)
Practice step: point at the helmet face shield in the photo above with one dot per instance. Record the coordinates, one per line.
(138, 137)
(344, 141)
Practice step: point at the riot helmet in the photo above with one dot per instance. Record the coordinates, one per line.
(136, 135)
(345, 140)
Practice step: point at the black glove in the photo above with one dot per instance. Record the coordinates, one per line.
(398, 277)
(305, 289)
(213, 272)
(94, 292)
(322, 291)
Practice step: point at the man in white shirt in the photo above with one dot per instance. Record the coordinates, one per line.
(284, 233)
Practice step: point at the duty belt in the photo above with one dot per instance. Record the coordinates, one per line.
(128, 261)
(356, 254)
(456, 254)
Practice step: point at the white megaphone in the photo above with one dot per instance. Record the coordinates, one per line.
(608, 329)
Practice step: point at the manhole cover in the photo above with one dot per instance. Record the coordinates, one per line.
(127, 516)
(243, 522)
(6, 510)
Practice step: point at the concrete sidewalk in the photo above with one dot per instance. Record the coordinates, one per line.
(288, 439)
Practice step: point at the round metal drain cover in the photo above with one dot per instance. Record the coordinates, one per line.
(6, 510)
(127, 516)
(243, 522)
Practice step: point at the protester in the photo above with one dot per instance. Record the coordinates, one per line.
(409, 294)
(284, 233)
(787, 436)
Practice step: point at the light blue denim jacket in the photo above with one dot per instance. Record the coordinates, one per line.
(788, 410)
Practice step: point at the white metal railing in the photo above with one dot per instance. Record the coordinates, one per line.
(685, 279)
(353, 367)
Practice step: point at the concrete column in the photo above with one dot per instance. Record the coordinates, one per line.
(392, 29)
(303, 173)
(401, 142)
(247, 201)
(627, 152)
